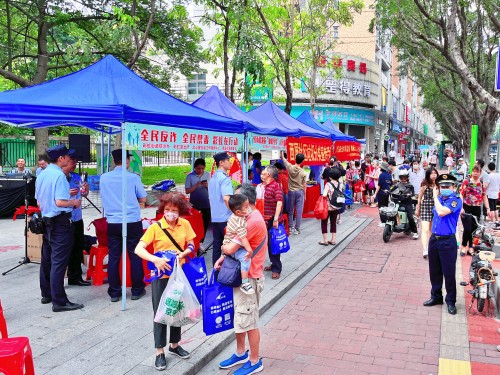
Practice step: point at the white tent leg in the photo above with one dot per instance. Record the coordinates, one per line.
(108, 159)
(101, 169)
(124, 219)
(245, 157)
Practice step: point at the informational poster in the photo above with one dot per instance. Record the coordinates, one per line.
(317, 151)
(164, 138)
(266, 142)
(347, 150)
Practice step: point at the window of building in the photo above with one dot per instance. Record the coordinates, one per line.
(335, 32)
(197, 86)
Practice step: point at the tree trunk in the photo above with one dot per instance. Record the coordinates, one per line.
(226, 58)
(288, 90)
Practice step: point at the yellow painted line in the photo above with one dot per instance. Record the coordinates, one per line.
(453, 367)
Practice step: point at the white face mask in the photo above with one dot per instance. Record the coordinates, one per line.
(171, 216)
(415, 167)
(249, 211)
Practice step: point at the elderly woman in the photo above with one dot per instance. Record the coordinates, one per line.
(197, 188)
(172, 205)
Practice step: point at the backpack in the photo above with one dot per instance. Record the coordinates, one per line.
(337, 199)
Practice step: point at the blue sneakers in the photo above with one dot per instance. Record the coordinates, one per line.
(248, 368)
(234, 360)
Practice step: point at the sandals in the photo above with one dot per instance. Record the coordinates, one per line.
(268, 268)
(332, 243)
(323, 243)
(275, 276)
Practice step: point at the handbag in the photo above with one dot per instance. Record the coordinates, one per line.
(101, 230)
(279, 240)
(321, 208)
(217, 306)
(230, 271)
(196, 273)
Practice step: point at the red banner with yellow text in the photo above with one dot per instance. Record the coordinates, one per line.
(317, 151)
(347, 150)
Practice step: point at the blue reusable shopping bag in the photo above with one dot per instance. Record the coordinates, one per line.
(196, 273)
(217, 306)
(155, 274)
(279, 240)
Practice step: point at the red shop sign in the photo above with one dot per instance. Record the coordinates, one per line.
(317, 151)
(347, 150)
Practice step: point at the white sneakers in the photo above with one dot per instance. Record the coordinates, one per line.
(415, 236)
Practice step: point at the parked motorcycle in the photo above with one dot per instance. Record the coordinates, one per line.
(481, 274)
(396, 216)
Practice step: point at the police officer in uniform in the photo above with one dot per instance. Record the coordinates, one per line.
(111, 197)
(443, 243)
(56, 205)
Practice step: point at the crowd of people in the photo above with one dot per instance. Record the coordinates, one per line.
(241, 221)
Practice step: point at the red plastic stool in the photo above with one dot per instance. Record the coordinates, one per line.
(99, 271)
(16, 357)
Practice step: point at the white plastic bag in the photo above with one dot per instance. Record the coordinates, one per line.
(178, 304)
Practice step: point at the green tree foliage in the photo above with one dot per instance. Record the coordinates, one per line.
(449, 48)
(44, 39)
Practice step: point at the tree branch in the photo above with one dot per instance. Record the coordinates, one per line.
(15, 78)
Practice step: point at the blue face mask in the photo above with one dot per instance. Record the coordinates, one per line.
(446, 192)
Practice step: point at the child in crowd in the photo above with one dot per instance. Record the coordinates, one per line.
(236, 231)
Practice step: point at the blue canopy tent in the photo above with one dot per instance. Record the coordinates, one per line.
(104, 97)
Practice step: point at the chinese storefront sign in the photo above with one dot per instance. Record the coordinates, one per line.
(164, 138)
(316, 151)
(265, 142)
(345, 87)
(346, 150)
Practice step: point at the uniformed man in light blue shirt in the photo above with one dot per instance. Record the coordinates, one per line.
(111, 197)
(219, 190)
(56, 205)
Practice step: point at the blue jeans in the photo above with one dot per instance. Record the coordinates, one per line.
(240, 254)
(295, 203)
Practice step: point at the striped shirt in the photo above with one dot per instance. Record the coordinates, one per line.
(272, 195)
(236, 226)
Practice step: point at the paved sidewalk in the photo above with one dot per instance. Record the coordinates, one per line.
(363, 314)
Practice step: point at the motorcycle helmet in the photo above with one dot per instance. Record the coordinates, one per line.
(404, 174)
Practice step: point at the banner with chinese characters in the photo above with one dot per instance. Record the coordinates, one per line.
(347, 150)
(265, 142)
(164, 138)
(317, 151)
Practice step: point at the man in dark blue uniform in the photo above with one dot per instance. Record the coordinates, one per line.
(56, 205)
(443, 243)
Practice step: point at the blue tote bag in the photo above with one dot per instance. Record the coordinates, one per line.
(196, 273)
(218, 307)
(279, 240)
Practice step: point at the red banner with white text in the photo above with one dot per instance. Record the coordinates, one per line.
(347, 150)
(317, 151)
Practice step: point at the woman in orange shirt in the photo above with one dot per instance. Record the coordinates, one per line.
(173, 205)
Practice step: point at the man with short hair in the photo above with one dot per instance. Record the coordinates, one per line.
(392, 154)
(493, 190)
(463, 170)
(77, 190)
(21, 168)
(273, 203)
(219, 190)
(56, 205)
(43, 161)
(111, 196)
(425, 165)
(246, 306)
(296, 191)
(484, 177)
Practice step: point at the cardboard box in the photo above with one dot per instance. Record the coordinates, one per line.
(35, 242)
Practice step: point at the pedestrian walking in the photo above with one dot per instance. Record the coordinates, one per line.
(473, 195)
(425, 205)
(443, 244)
(273, 204)
(331, 187)
(111, 196)
(297, 190)
(371, 182)
(181, 236)
(492, 191)
(246, 306)
(56, 205)
(417, 175)
(78, 189)
(219, 190)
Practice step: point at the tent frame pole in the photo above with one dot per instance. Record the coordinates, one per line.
(245, 157)
(124, 218)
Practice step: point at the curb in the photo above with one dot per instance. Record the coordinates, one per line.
(217, 343)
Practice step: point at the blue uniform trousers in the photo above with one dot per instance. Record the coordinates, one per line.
(134, 234)
(56, 250)
(442, 263)
(218, 232)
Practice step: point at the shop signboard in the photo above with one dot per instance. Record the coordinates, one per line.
(164, 138)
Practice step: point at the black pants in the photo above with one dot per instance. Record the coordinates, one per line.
(275, 259)
(160, 330)
(56, 249)
(218, 231)
(206, 216)
(409, 214)
(332, 215)
(442, 263)
(469, 223)
(382, 201)
(76, 257)
(134, 234)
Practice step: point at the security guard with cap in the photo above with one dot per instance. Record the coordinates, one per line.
(53, 196)
(443, 244)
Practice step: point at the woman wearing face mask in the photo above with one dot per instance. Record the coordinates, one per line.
(173, 205)
(417, 175)
(473, 194)
(425, 205)
(372, 182)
